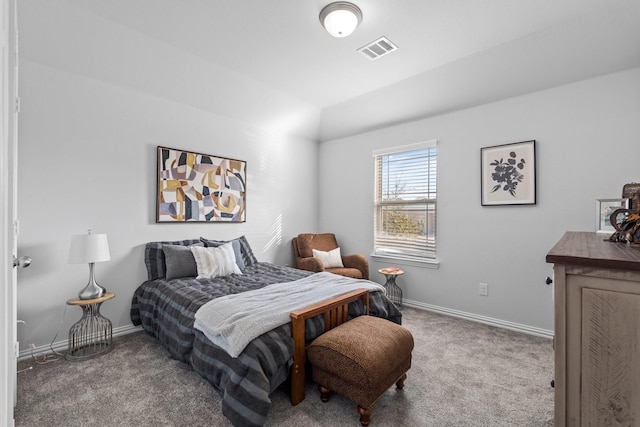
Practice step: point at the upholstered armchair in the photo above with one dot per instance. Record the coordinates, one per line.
(356, 266)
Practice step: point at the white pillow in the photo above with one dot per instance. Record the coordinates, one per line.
(329, 259)
(215, 262)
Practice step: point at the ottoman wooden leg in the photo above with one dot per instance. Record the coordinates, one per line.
(365, 415)
(325, 393)
(400, 382)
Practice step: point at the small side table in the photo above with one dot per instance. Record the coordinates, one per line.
(393, 291)
(91, 335)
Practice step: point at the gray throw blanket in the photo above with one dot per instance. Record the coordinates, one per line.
(233, 321)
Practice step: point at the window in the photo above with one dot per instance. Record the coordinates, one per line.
(405, 201)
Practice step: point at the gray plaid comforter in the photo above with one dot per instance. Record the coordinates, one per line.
(166, 310)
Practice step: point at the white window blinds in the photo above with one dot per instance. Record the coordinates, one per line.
(405, 201)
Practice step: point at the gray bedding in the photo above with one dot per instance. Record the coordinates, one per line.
(166, 310)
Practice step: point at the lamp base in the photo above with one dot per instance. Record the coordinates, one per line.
(91, 291)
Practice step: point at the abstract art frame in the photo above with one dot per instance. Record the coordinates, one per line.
(196, 187)
(508, 174)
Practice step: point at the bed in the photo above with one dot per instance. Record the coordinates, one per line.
(167, 303)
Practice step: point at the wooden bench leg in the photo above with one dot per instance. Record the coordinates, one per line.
(400, 382)
(365, 415)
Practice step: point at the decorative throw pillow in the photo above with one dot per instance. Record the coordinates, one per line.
(179, 261)
(237, 251)
(215, 262)
(247, 257)
(154, 257)
(329, 259)
(247, 253)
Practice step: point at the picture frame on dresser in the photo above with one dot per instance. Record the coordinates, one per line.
(508, 174)
(604, 209)
(197, 187)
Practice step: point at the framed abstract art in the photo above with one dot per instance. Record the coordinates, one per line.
(196, 187)
(508, 174)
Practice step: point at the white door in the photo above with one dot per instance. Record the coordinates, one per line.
(8, 191)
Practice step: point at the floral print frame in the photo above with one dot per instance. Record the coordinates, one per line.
(508, 174)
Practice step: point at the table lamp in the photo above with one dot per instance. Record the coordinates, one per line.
(89, 248)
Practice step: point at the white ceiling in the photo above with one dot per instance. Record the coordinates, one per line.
(281, 43)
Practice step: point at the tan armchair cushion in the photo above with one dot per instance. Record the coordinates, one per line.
(322, 242)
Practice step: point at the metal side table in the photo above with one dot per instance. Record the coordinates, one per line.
(92, 334)
(392, 290)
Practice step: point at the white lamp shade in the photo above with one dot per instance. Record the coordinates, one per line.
(87, 248)
(340, 18)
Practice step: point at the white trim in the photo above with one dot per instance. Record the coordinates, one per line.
(8, 185)
(517, 327)
(408, 147)
(64, 345)
(413, 262)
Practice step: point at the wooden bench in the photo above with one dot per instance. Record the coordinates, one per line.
(336, 312)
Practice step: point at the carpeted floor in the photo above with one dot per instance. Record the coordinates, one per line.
(463, 374)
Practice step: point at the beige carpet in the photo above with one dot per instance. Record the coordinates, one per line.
(463, 374)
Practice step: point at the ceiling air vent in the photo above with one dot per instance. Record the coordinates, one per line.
(378, 48)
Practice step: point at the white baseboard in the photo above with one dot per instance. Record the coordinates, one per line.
(530, 330)
(64, 345)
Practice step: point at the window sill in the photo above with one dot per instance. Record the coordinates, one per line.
(424, 263)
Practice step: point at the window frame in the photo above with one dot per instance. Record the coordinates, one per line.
(394, 252)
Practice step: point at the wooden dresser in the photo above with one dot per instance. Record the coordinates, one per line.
(597, 331)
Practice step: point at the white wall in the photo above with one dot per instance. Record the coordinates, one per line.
(587, 148)
(97, 99)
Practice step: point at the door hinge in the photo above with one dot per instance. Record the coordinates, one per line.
(16, 227)
(17, 104)
(16, 349)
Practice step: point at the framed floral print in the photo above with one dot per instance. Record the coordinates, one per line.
(508, 174)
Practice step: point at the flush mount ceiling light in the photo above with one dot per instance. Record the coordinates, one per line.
(340, 18)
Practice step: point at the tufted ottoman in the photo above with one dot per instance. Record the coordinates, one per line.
(361, 359)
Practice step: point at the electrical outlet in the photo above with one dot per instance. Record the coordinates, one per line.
(483, 289)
